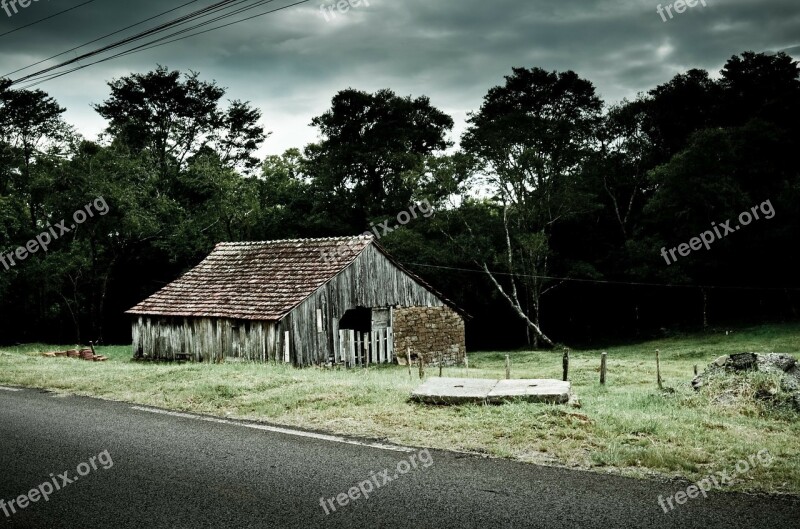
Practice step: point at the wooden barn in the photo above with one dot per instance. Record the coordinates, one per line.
(305, 302)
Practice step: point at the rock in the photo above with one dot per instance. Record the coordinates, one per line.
(776, 362)
(742, 361)
(790, 384)
(721, 360)
(784, 365)
(796, 401)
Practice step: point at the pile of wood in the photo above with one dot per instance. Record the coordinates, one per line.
(84, 354)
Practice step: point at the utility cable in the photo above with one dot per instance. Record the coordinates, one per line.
(45, 18)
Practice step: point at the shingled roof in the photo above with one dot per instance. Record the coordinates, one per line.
(257, 280)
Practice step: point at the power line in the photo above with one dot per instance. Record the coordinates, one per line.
(45, 18)
(605, 282)
(161, 27)
(230, 23)
(156, 43)
(172, 24)
(101, 38)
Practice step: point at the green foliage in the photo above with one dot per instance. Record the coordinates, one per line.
(373, 152)
(544, 185)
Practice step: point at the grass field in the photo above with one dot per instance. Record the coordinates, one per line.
(627, 426)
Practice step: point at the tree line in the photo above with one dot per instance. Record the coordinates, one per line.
(553, 209)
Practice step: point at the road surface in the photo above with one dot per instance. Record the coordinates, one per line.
(140, 468)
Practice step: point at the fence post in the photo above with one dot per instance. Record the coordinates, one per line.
(367, 340)
(565, 364)
(658, 369)
(421, 361)
(508, 367)
(441, 361)
(408, 360)
(603, 368)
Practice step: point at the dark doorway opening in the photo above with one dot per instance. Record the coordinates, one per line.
(358, 319)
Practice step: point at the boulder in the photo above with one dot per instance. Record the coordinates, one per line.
(776, 363)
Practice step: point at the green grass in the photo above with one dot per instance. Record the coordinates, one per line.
(627, 426)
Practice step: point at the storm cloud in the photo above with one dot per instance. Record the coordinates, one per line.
(291, 62)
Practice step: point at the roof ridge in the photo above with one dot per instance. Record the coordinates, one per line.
(275, 241)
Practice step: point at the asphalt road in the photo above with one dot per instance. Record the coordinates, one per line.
(157, 470)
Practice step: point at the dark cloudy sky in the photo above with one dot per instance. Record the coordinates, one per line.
(290, 63)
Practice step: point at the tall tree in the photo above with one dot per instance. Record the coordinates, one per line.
(373, 152)
(173, 117)
(32, 135)
(531, 140)
(675, 110)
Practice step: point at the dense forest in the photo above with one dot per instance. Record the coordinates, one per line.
(559, 219)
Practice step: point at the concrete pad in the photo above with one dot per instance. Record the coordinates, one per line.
(463, 390)
(531, 390)
(453, 390)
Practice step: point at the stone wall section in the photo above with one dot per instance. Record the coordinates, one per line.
(431, 331)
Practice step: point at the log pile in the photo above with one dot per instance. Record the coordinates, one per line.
(84, 354)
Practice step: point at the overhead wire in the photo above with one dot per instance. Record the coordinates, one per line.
(157, 42)
(45, 18)
(101, 38)
(605, 281)
(143, 34)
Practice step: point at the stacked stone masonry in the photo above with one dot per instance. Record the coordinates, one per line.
(436, 332)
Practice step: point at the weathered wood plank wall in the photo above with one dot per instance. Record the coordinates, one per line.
(371, 281)
(203, 339)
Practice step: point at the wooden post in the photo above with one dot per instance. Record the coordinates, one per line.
(286, 347)
(91, 345)
(603, 368)
(421, 362)
(408, 360)
(565, 364)
(508, 367)
(695, 370)
(658, 369)
(441, 362)
(367, 352)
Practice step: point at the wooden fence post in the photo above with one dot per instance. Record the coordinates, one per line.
(367, 352)
(408, 360)
(421, 361)
(603, 368)
(658, 369)
(508, 367)
(565, 364)
(441, 361)
(695, 370)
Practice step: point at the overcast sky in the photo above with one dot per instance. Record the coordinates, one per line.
(290, 63)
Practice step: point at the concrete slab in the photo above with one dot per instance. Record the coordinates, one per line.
(454, 390)
(531, 390)
(462, 390)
